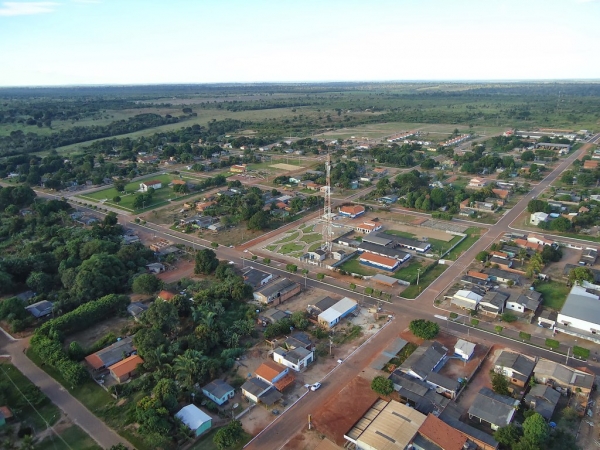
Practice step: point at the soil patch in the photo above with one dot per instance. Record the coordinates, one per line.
(92, 334)
(284, 166)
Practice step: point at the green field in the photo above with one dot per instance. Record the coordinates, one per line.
(413, 290)
(312, 237)
(71, 438)
(410, 272)
(290, 247)
(354, 266)
(161, 196)
(554, 294)
(206, 442)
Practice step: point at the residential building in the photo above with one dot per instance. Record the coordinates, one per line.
(464, 349)
(40, 309)
(259, 391)
(387, 425)
(296, 359)
(493, 303)
(538, 217)
(581, 310)
(418, 394)
(146, 185)
(218, 391)
(332, 316)
(477, 182)
(478, 275)
(443, 385)
(539, 240)
(321, 306)
(528, 302)
(272, 315)
(451, 415)
(590, 164)
(195, 419)
(271, 372)
(238, 168)
(495, 409)
(155, 268)
(137, 309)
(547, 319)
(352, 211)
(504, 194)
(166, 295)
(466, 299)
(424, 360)
(257, 278)
(277, 292)
(563, 377)
(435, 434)
(379, 262)
(518, 368)
(367, 227)
(543, 400)
(588, 257)
(112, 354)
(126, 368)
(504, 277)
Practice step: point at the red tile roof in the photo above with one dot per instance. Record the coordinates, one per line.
(94, 361)
(378, 259)
(151, 182)
(126, 366)
(589, 164)
(353, 210)
(285, 382)
(475, 274)
(269, 370)
(166, 295)
(442, 434)
(502, 193)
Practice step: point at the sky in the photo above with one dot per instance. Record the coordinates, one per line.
(83, 42)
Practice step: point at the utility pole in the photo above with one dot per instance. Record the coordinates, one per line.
(568, 350)
(418, 274)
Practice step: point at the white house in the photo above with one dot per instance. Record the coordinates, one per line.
(296, 359)
(464, 349)
(154, 184)
(477, 182)
(218, 391)
(466, 299)
(581, 311)
(538, 217)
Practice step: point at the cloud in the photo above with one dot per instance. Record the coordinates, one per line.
(87, 2)
(26, 8)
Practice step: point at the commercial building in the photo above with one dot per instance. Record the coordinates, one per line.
(332, 316)
(581, 311)
(390, 252)
(277, 292)
(379, 262)
(352, 211)
(195, 419)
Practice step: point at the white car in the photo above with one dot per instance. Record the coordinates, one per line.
(315, 386)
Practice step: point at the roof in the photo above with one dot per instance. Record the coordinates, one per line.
(166, 295)
(111, 354)
(544, 400)
(582, 304)
(5, 412)
(283, 285)
(563, 374)
(419, 393)
(136, 308)
(298, 340)
(284, 382)
(495, 298)
(424, 358)
(255, 386)
(411, 242)
(375, 238)
(504, 274)
(527, 302)
(218, 388)
(294, 356)
(388, 353)
(126, 366)
(502, 193)
(451, 415)
(254, 277)
(387, 426)
(274, 314)
(151, 182)
(516, 362)
(369, 225)
(464, 346)
(442, 434)
(386, 251)
(40, 309)
(384, 279)
(493, 408)
(442, 381)
(344, 305)
(269, 370)
(352, 210)
(468, 294)
(270, 397)
(378, 259)
(193, 416)
(325, 303)
(479, 275)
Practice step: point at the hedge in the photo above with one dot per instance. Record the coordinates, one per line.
(554, 344)
(581, 352)
(524, 336)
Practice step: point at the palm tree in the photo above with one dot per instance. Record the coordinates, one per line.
(188, 367)
(27, 443)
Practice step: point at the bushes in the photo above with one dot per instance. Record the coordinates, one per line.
(453, 315)
(553, 344)
(498, 329)
(291, 268)
(425, 329)
(474, 322)
(320, 276)
(524, 336)
(368, 291)
(509, 317)
(581, 352)
(51, 352)
(266, 260)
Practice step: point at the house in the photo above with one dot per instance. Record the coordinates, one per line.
(424, 360)
(367, 227)
(352, 211)
(146, 185)
(126, 368)
(495, 409)
(528, 302)
(321, 306)
(271, 372)
(477, 182)
(238, 168)
(272, 315)
(40, 309)
(478, 275)
(464, 349)
(493, 303)
(218, 391)
(563, 377)
(547, 319)
(5, 415)
(166, 295)
(543, 400)
(111, 354)
(338, 255)
(504, 277)
(524, 243)
(435, 434)
(388, 199)
(380, 171)
(136, 310)
(332, 316)
(451, 415)
(257, 278)
(588, 257)
(298, 340)
(259, 391)
(466, 299)
(277, 292)
(311, 185)
(155, 267)
(590, 164)
(379, 262)
(504, 194)
(518, 368)
(297, 359)
(195, 419)
(443, 385)
(201, 207)
(581, 310)
(418, 394)
(538, 217)
(386, 425)
(317, 255)
(539, 240)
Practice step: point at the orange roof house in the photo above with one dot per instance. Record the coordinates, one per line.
(352, 211)
(381, 262)
(441, 434)
(200, 207)
(126, 368)
(501, 193)
(523, 243)
(478, 275)
(583, 209)
(590, 164)
(269, 370)
(238, 168)
(166, 296)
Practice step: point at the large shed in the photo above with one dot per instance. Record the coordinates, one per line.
(337, 312)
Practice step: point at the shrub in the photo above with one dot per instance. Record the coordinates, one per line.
(453, 315)
(524, 336)
(320, 276)
(552, 343)
(368, 291)
(424, 329)
(509, 317)
(352, 286)
(498, 329)
(267, 260)
(214, 244)
(382, 385)
(474, 322)
(291, 268)
(473, 312)
(581, 352)
(254, 257)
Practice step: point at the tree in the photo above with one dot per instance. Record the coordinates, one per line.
(188, 367)
(166, 392)
(560, 224)
(535, 266)
(162, 316)
(508, 436)
(499, 383)
(428, 163)
(551, 253)
(527, 155)
(580, 274)
(536, 430)
(206, 261)
(116, 199)
(424, 329)
(76, 351)
(259, 221)
(382, 385)
(536, 205)
(229, 435)
(40, 282)
(146, 284)
(482, 256)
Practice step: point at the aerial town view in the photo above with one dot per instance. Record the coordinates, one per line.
(312, 226)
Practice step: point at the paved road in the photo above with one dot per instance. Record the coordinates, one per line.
(71, 407)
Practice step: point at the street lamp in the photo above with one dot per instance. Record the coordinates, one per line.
(418, 274)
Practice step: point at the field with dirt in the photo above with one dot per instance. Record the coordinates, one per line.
(284, 166)
(95, 332)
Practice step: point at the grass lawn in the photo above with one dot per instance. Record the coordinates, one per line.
(271, 247)
(409, 273)
(354, 266)
(290, 238)
(554, 294)
(48, 411)
(206, 442)
(473, 235)
(72, 437)
(413, 290)
(289, 248)
(315, 246)
(403, 234)
(310, 238)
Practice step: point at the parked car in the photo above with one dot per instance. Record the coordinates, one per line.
(315, 386)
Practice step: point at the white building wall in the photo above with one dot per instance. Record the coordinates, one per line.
(578, 324)
(515, 306)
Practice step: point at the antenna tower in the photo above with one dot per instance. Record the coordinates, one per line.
(327, 229)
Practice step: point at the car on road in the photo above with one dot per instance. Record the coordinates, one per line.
(315, 386)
